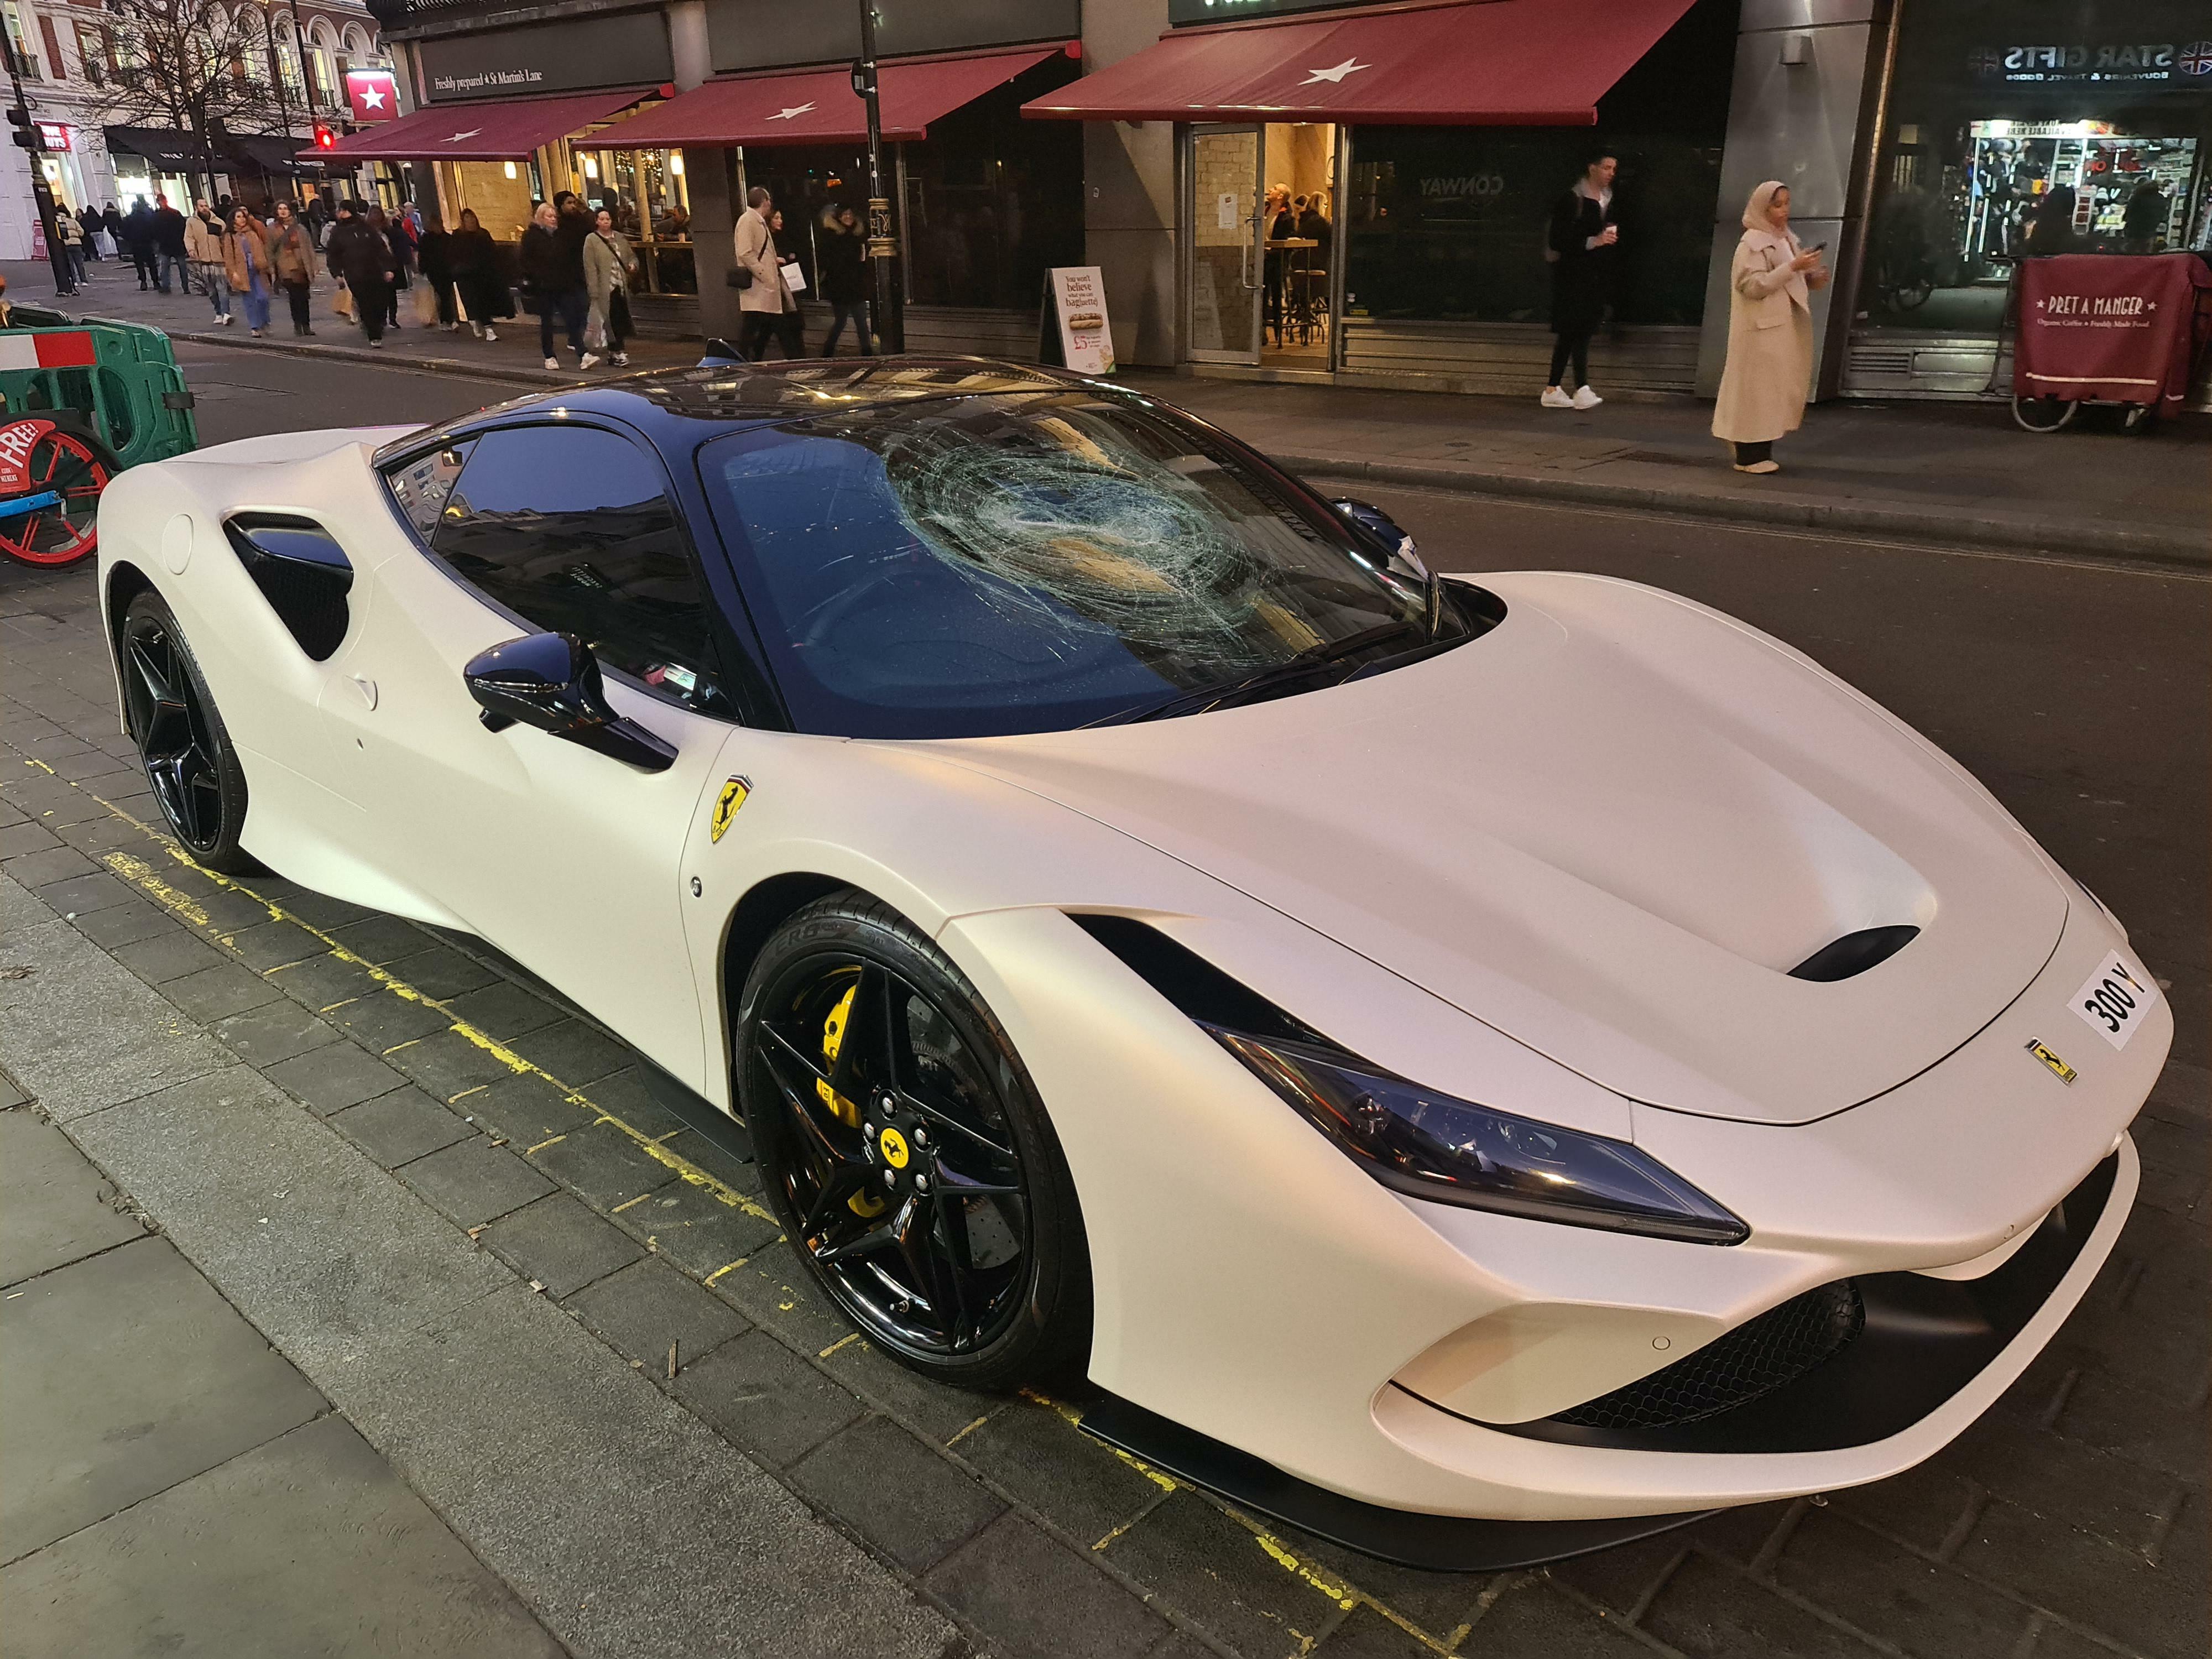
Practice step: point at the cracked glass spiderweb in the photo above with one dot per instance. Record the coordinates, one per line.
(1064, 523)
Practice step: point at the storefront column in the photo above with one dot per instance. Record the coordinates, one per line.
(1129, 195)
(707, 179)
(1804, 69)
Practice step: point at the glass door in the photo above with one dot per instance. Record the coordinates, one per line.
(1227, 263)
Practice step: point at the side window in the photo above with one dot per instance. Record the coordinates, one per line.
(567, 527)
(422, 485)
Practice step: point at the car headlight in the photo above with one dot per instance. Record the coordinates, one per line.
(1434, 1147)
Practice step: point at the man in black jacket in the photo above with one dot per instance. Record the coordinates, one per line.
(363, 260)
(1581, 243)
(169, 243)
(136, 237)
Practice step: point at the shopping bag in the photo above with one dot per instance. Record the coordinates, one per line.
(595, 334)
(795, 279)
(426, 305)
(342, 303)
(105, 243)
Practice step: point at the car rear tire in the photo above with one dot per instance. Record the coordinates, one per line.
(906, 1152)
(187, 753)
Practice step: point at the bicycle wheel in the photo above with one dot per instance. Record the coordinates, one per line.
(66, 530)
(2042, 414)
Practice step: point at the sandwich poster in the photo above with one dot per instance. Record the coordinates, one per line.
(1076, 297)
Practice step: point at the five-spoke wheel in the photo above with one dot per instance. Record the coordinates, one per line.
(181, 740)
(902, 1146)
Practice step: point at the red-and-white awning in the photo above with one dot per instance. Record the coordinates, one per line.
(490, 130)
(816, 106)
(1470, 62)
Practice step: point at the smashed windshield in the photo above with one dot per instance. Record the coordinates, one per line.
(1033, 562)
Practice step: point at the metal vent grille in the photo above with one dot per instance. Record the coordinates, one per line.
(1755, 1358)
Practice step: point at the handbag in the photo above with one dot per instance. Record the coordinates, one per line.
(739, 276)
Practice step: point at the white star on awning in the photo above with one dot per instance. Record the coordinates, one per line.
(1349, 66)
(789, 113)
(456, 138)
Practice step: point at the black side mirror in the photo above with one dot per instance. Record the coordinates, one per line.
(552, 681)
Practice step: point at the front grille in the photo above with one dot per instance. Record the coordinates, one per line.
(1755, 1358)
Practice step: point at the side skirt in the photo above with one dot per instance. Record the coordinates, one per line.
(1438, 1543)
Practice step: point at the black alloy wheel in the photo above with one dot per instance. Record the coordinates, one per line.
(905, 1152)
(186, 751)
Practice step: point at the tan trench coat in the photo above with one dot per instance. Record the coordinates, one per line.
(1769, 373)
(754, 244)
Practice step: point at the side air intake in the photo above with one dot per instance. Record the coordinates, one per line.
(301, 571)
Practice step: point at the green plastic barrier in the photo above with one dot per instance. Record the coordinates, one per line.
(131, 397)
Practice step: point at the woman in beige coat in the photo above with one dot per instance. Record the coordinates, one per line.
(1769, 347)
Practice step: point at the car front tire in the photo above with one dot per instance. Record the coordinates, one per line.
(186, 751)
(906, 1152)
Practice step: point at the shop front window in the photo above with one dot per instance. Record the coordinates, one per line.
(647, 192)
(2087, 133)
(1448, 223)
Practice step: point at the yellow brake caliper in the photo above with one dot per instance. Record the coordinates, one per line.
(833, 1038)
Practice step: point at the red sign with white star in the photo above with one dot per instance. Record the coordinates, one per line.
(373, 94)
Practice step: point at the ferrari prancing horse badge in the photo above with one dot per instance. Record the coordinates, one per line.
(726, 806)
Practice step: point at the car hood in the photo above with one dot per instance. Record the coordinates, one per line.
(1608, 829)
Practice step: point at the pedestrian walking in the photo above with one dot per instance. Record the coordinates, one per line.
(292, 258)
(394, 240)
(88, 221)
(1769, 373)
(477, 279)
(1581, 243)
(245, 268)
(790, 326)
(72, 240)
(169, 243)
(136, 236)
(434, 249)
(361, 260)
(2143, 221)
(547, 288)
(609, 264)
(763, 299)
(204, 246)
(841, 259)
(2051, 228)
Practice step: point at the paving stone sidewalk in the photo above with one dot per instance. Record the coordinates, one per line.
(1951, 473)
(568, 1260)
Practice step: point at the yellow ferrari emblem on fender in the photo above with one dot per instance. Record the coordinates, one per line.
(895, 1149)
(2065, 1072)
(726, 803)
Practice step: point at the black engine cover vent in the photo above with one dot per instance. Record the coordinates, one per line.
(301, 570)
(1854, 953)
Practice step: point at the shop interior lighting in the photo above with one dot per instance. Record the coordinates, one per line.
(675, 162)
(510, 169)
(591, 166)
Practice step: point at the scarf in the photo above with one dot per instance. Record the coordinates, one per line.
(1758, 230)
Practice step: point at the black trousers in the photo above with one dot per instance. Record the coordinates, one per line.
(1750, 455)
(299, 294)
(443, 287)
(1566, 347)
(759, 329)
(147, 262)
(373, 301)
(855, 313)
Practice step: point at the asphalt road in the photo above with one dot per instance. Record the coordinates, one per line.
(2075, 690)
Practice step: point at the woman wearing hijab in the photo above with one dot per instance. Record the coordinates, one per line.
(1770, 348)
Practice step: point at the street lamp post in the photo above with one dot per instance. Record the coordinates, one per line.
(883, 244)
(41, 192)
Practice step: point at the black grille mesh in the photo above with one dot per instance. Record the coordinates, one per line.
(1755, 1358)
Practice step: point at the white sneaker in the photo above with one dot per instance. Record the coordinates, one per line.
(552, 362)
(622, 360)
(589, 359)
(1585, 398)
(1555, 398)
(491, 334)
(476, 329)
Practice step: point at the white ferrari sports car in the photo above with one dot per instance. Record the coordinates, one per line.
(1436, 1053)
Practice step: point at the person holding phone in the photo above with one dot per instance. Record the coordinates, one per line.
(1769, 373)
(1581, 243)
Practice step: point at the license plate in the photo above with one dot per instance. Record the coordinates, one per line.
(2113, 1000)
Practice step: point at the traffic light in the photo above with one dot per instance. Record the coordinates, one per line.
(27, 134)
(325, 139)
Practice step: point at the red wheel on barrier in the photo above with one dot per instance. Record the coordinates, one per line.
(67, 530)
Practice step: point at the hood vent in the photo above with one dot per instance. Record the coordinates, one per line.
(1854, 953)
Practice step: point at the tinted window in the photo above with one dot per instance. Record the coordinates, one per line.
(1027, 562)
(422, 485)
(570, 528)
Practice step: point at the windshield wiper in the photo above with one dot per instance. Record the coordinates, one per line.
(1317, 659)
